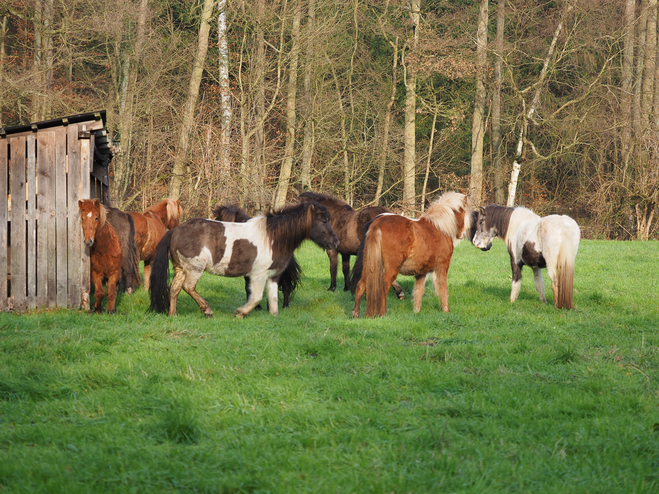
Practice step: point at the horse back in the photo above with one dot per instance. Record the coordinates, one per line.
(221, 248)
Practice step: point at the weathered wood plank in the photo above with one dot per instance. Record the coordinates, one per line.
(86, 165)
(46, 247)
(75, 246)
(31, 220)
(61, 220)
(18, 227)
(4, 218)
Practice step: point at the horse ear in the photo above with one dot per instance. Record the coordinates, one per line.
(97, 203)
(178, 202)
(482, 210)
(80, 203)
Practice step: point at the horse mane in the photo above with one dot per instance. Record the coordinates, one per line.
(499, 217)
(441, 213)
(325, 198)
(102, 216)
(173, 211)
(231, 212)
(287, 227)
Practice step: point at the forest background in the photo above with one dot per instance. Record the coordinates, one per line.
(553, 105)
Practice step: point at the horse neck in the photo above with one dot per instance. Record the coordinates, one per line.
(106, 240)
(159, 213)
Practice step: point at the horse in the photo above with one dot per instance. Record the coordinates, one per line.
(550, 242)
(150, 226)
(395, 244)
(123, 225)
(261, 248)
(105, 251)
(348, 224)
(289, 279)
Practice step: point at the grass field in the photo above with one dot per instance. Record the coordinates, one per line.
(491, 397)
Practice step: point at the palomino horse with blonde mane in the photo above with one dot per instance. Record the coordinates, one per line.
(550, 242)
(150, 226)
(394, 244)
(105, 251)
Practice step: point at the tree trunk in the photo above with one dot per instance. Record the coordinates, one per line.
(48, 53)
(649, 65)
(517, 164)
(409, 155)
(287, 164)
(37, 61)
(478, 122)
(637, 113)
(191, 101)
(496, 106)
(3, 56)
(225, 90)
(430, 147)
(627, 78)
(308, 140)
(258, 154)
(384, 154)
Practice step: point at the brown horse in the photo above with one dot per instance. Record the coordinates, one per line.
(105, 251)
(394, 244)
(289, 279)
(124, 227)
(150, 226)
(348, 224)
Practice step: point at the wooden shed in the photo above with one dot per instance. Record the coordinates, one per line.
(45, 168)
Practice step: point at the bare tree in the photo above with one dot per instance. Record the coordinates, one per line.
(478, 122)
(411, 68)
(496, 105)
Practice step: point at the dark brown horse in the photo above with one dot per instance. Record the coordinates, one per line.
(394, 244)
(105, 251)
(150, 226)
(130, 264)
(289, 279)
(261, 248)
(348, 224)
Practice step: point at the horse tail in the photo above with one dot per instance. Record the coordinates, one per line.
(291, 277)
(125, 229)
(565, 273)
(356, 272)
(159, 276)
(376, 297)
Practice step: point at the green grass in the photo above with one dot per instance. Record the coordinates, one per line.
(491, 397)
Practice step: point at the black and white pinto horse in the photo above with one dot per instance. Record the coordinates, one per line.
(550, 242)
(260, 248)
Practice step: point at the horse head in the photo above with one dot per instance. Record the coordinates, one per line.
(92, 215)
(320, 229)
(484, 234)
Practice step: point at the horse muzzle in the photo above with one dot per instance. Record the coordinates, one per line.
(89, 242)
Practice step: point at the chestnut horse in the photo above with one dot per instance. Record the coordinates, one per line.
(348, 224)
(394, 244)
(105, 251)
(150, 226)
(289, 279)
(550, 242)
(261, 248)
(130, 264)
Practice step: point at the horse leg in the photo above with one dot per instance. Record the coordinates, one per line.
(345, 264)
(540, 284)
(334, 264)
(190, 285)
(273, 294)
(418, 291)
(175, 289)
(254, 299)
(147, 275)
(553, 276)
(248, 291)
(517, 280)
(440, 285)
(398, 289)
(99, 294)
(112, 291)
(359, 293)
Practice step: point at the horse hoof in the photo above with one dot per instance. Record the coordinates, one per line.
(331, 289)
(113, 311)
(208, 315)
(346, 288)
(401, 296)
(355, 315)
(239, 315)
(130, 291)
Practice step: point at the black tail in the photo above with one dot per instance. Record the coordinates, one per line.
(356, 273)
(159, 276)
(290, 279)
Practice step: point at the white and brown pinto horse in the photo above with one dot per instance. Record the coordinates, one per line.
(260, 248)
(550, 242)
(394, 244)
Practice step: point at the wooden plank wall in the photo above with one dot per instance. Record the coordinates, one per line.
(42, 255)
